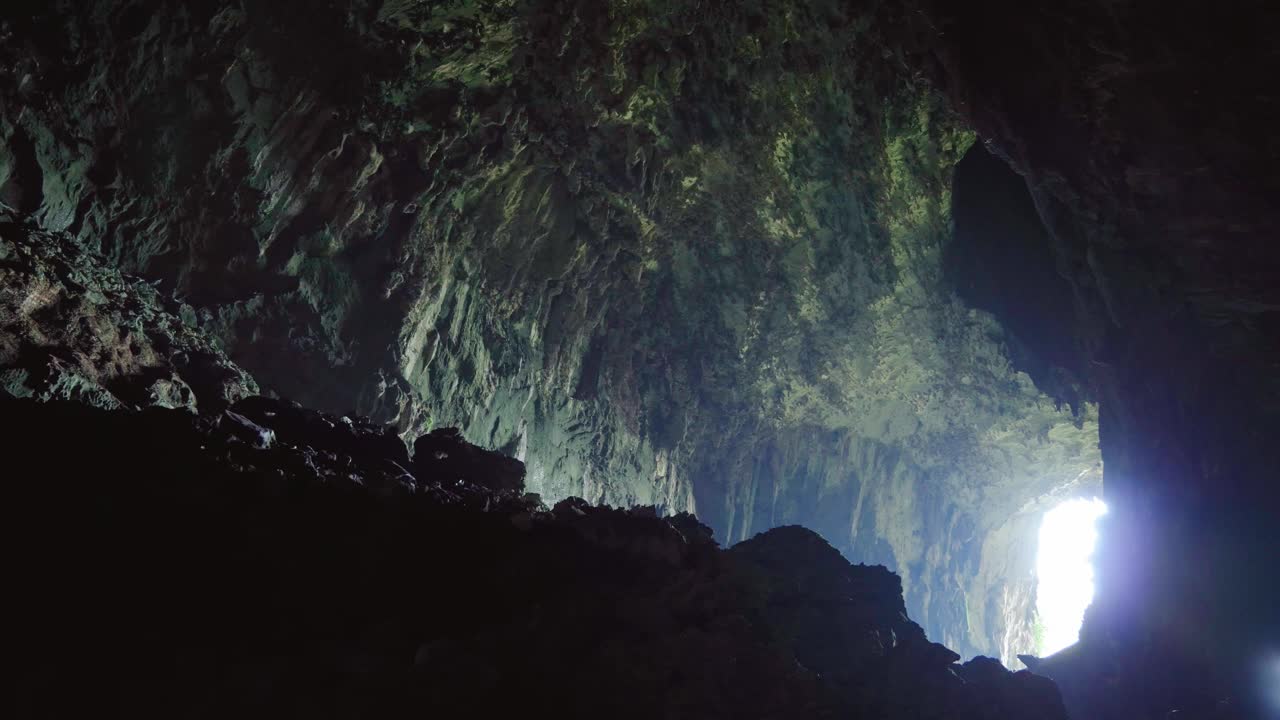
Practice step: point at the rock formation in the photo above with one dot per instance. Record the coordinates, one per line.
(185, 567)
(72, 327)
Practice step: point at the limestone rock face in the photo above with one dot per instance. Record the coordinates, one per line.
(682, 254)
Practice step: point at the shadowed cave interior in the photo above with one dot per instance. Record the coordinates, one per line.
(676, 358)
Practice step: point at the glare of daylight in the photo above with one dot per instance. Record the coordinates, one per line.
(1064, 570)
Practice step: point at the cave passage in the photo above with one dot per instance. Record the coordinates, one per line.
(1064, 571)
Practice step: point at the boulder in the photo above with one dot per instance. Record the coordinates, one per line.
(445, 457)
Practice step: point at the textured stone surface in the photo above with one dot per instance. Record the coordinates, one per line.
(655, 250)
(72, 327)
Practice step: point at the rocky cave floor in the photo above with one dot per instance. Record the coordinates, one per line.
(269, 558)
(263, 558)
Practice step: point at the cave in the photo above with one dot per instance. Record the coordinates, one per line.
(686, 358)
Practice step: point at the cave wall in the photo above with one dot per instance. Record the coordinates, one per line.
(1147, 138)
(687, 254)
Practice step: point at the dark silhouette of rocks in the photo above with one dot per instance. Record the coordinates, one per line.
(254, 562)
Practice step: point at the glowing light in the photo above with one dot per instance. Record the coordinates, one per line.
(1064, 571)
(1271, 683)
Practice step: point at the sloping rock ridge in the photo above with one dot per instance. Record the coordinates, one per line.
(271, 559)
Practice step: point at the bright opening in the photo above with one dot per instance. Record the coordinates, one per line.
(1064, 572)
(1271, 683)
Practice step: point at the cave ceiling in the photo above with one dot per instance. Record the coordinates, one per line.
(688, 254)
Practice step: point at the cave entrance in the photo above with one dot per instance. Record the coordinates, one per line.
(1064, 572)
